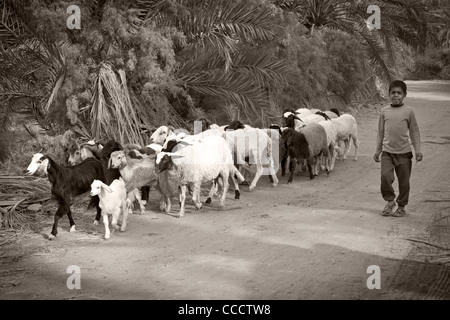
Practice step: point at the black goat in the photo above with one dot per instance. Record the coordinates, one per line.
(68, 182)
(110, 173)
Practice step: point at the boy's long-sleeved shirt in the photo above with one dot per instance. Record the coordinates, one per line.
(396, 126)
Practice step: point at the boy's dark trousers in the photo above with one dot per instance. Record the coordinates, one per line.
(401, 164)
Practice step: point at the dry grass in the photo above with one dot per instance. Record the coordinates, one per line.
(20, 201)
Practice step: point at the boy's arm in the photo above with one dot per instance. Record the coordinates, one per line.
(380, 134)
(414, 133)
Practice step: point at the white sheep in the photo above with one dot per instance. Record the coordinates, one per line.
(249, 143)
(346, 128)
(182, 140)
(202, 161)
(314, 118)
(256, 145)
(332, 113)
(303, 111)
(163, 135)
(113, 201)
(331, 133)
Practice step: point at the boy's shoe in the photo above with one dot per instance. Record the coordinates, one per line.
(400, 212)
(388, 208)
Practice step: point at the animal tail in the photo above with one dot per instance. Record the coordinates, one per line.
(235, 172)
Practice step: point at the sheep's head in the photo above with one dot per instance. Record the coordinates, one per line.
(320, 113)
(174, 142)
(39, 164)
(110, 147)
(276, 127)
(289, 110)
(289, 120)
(164, 161)
(235, 125)
(303, 111)
(156, 147)
(204, 125)
(160, 134)
(117, 160)
(335, 110)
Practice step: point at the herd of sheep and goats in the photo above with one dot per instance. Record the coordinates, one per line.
(117, 175)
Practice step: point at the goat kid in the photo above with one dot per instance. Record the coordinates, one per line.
(113, 201)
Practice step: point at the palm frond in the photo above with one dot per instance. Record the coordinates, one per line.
(250, 78)
(11, 27)
(112, 113)
(376, 55)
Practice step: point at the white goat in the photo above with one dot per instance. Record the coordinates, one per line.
(113, 201)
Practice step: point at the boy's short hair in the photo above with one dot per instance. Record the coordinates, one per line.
(398, 84)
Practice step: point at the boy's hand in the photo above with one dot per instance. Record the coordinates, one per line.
(376, 157)
(419, 157)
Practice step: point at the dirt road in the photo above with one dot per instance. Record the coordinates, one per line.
(308, 240)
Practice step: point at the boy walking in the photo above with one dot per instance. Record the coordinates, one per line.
(397, 124)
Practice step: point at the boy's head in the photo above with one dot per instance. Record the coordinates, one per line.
(397, 92)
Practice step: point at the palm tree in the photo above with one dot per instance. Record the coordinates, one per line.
(402, 22)
(33, 69)
(221, 55)
(439, 22)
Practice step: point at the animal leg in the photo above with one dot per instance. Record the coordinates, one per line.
(123, 227)
(62, 209)
(196, 196)
(283, 166)
(106, 224)
(99, 210)
(292, 167)
(182, 194)
(72, 223)
(347, 148)
(237, 192)
(273, 175)
(138, 196)
(310, 164)
(356, 144)
(259, 171)
(224, 177)
(213, 190)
